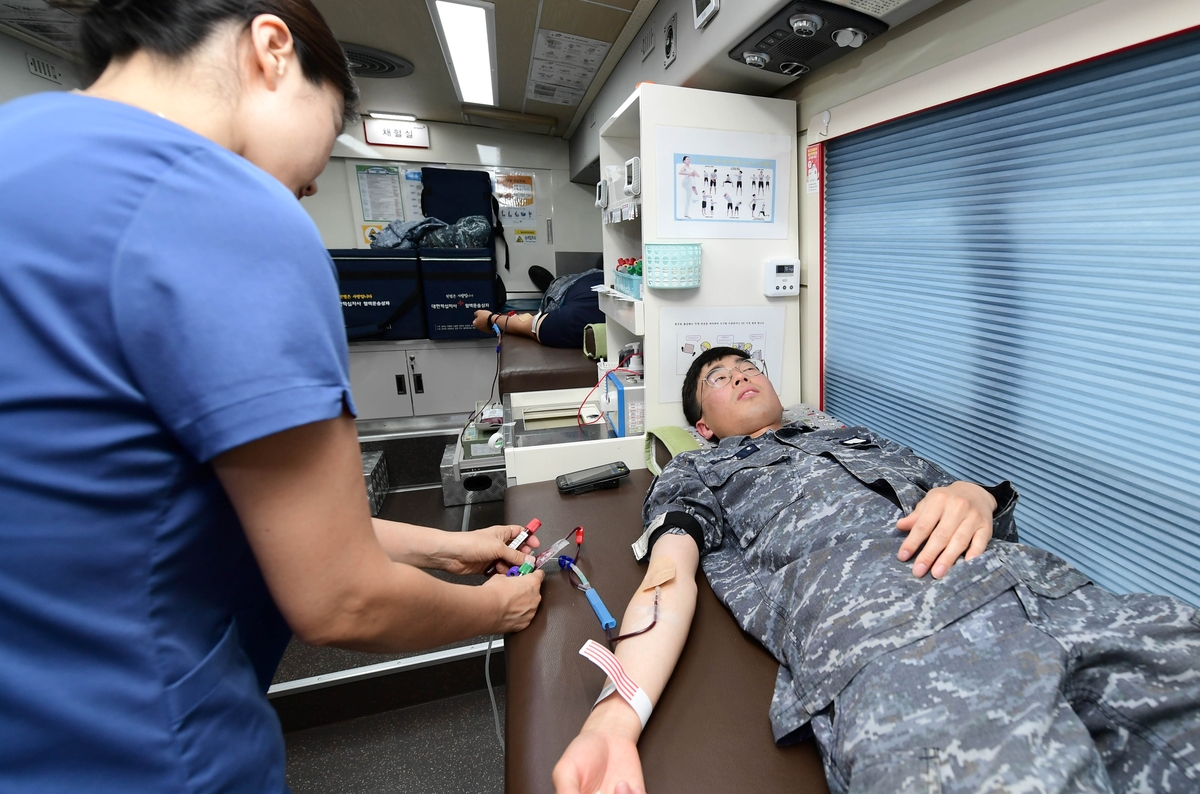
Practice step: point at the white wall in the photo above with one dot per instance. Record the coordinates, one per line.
(576, 222)
(955, 50)
(15, 78)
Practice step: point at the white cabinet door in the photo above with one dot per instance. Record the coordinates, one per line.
(382, 384)
(450, 381)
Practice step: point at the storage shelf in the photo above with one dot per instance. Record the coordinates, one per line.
(626, 122)
(626, 312)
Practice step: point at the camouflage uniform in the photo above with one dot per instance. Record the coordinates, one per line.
(798, 539)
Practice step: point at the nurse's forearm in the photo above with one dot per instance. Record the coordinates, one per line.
(411, 544)
(407, 609)
(300, 497)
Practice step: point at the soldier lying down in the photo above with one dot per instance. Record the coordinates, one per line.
(1008, 671)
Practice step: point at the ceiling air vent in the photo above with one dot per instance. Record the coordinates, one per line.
(804, 35)
(370, 62)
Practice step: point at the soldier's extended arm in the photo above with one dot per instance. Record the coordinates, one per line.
(604, 757)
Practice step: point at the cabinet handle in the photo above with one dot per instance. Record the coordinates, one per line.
(418, 383)
(400, 387)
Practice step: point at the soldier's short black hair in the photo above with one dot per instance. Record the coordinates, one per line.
(691, 381)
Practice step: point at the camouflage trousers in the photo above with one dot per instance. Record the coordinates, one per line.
(1090, 692)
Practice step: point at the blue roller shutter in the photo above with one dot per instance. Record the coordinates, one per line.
(1013, 289)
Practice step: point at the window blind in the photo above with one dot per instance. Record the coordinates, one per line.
(1013, 289)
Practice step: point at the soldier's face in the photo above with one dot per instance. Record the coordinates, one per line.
(745, 406)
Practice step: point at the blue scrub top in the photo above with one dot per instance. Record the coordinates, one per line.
(162, 301)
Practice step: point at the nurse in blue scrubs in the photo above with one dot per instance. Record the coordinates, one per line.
(180, 482)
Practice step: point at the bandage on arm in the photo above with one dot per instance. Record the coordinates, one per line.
(649, 659)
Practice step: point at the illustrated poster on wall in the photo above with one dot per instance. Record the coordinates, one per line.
(812, 168)
(379, 189)
(685, 333)
(518, 208)
(722, 184)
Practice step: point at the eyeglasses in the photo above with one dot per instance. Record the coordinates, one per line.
(721, 376)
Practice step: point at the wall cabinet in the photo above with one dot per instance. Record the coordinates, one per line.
(392, 380)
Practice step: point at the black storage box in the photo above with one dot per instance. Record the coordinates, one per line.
(381, 293)
(457, 282)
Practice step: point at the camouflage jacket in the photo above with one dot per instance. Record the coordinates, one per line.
(798, 539)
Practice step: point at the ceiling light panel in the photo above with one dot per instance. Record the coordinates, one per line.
(467, 32)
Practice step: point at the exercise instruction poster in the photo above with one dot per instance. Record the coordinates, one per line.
(685, 333)
(722, 184)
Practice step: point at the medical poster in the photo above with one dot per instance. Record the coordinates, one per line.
(685, 333)
(518, 208)
(563, 67)
(722, 184)
(812, 168)
(379, 188)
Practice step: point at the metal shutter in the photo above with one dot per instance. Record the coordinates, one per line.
(1013, 289)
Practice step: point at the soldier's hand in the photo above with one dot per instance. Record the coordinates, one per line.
(949, 522)
(603, 758)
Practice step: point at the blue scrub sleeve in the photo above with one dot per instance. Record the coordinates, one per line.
(227, 308)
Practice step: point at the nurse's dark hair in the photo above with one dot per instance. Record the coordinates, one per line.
(691, 381)
(115, 29)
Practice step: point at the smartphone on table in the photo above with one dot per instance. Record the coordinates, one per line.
(607, 476)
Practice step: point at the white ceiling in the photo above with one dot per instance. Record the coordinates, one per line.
(404, 28)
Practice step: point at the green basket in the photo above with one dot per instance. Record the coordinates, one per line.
(671, 265)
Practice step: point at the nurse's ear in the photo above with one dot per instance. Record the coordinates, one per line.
(272, 50)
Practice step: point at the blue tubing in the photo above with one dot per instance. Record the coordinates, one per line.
(606, 620)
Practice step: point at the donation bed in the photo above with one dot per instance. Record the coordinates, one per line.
(709, 732)
(527, 365)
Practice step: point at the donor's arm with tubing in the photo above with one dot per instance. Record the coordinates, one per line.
(604, 756)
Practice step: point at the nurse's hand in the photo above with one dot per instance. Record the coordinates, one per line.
(950, 521)
(484, 549)
(517, 599)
